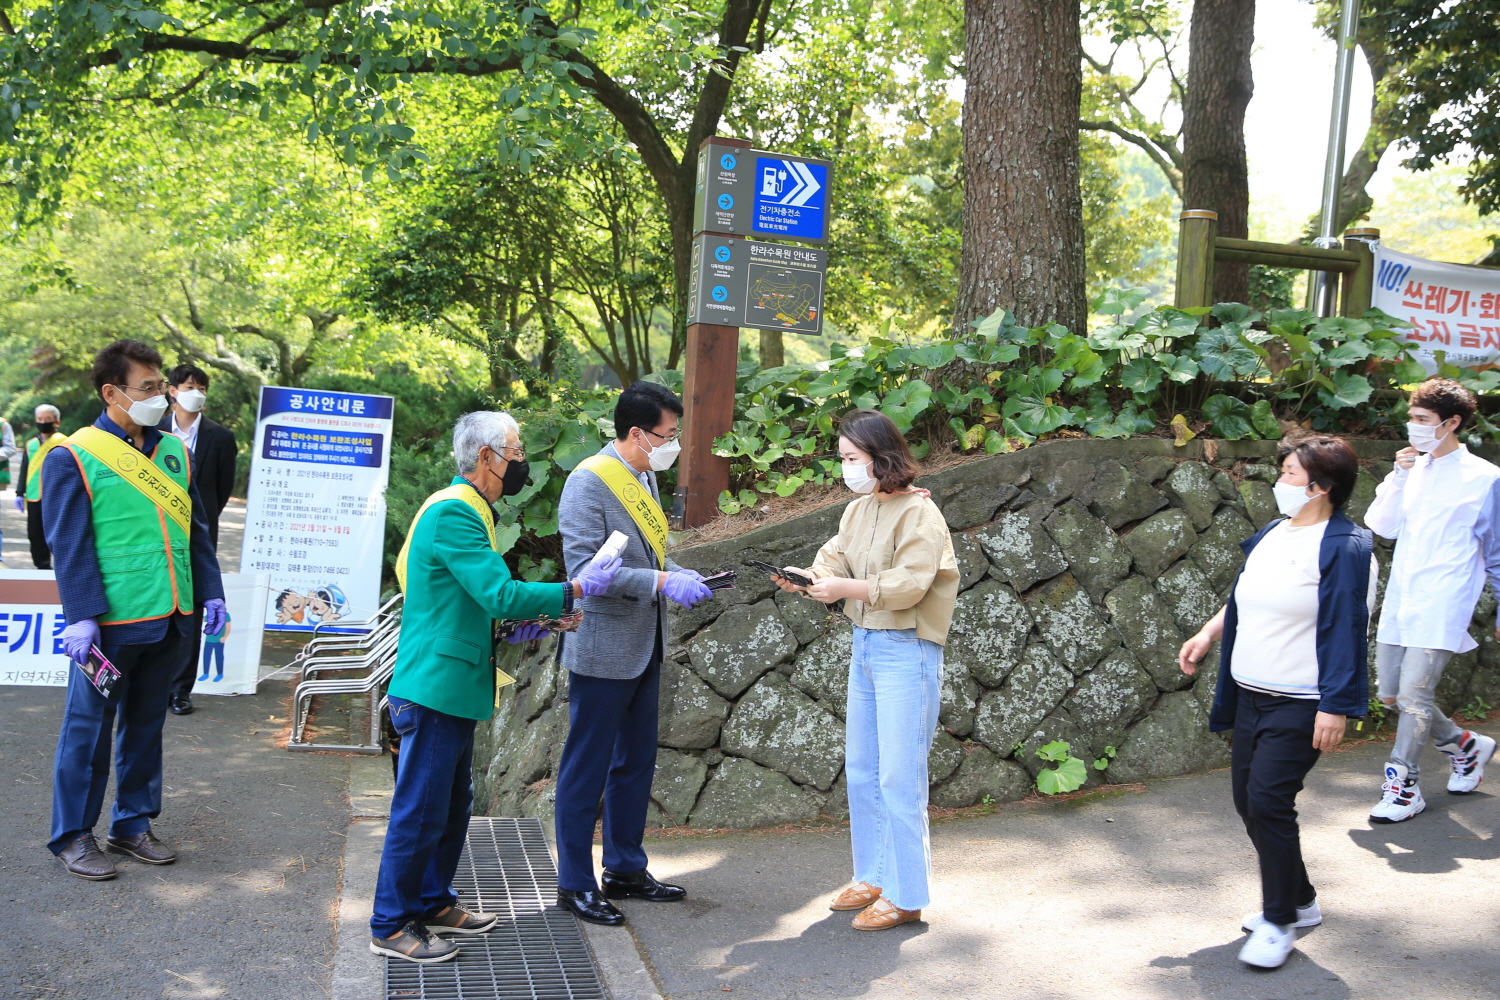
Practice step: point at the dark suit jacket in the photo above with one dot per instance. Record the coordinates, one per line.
(214, 456)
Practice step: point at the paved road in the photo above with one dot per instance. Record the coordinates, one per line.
(1056, 901)
(248, 911)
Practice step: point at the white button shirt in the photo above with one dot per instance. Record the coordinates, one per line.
(1445, 517)
(190, 436)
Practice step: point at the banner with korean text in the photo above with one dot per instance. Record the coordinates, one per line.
(1454, 308)
(315, 518)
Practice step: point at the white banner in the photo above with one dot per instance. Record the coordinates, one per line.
(315, 520)
(31, 619)
(1454, 307)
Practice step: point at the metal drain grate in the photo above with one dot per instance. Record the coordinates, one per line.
(535, 953)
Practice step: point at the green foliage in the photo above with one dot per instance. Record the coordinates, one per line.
(1069, 774)
(1477, 710)
(1102, 763)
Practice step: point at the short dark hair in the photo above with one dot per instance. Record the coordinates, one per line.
(1446, 398)
(641, 405)
(877, 435)
(182, 373)
(1329, 461)
(112, 365)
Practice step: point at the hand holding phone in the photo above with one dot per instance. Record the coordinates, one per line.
(776, 572)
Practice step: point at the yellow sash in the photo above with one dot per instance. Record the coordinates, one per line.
(139, 471)
(470, 496)
(34, 468)
(636, 499)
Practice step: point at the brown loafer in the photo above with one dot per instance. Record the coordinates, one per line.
(83, 858)
(856, 897)
(882, 914)
(144, 847)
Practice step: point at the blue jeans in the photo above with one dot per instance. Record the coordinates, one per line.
(81, 769)
(892, 714)
(610, 755)
(429, 816)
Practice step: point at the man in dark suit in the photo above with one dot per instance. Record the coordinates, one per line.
(214, 451)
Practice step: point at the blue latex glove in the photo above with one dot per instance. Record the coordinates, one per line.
(595, 580)
(526, 633)
(692, 573)
(78, 637)
(21, 503)
(686, 588)
(213, 616)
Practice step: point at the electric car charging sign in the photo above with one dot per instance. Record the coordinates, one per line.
(753, 192)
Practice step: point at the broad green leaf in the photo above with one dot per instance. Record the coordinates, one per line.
(1178, 368)
(1346, 390)
(995, 444)
(1234, 312)
(1054, 751)
(1346, 353)
(1036, 416)
(1408, 373)
(1142, 375)
(1116, 301)
(1230, 417)
(1167, 322)
(907, 402)
(1116, 338)
(933, 355)
(506, 538)
(1263, 419)
(1068, 776)
(1221, 355)
(960, 433)
(577, 441)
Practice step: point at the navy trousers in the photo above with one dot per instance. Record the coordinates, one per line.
(81, 770)
(610, 755)
(1272, 753)
(429, 816)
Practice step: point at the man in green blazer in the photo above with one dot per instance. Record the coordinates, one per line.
(456, 586)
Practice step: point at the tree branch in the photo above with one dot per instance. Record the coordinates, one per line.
(225, 360)
(1160, 158)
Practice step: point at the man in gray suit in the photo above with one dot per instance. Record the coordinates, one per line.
(614, 659)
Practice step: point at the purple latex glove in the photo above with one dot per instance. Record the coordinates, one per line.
(682, 587)
(213, 616)
(21, 503)
(526, 633)
(595, 580)
(78, 637)
(691, 572)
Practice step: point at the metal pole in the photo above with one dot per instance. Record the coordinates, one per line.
(1325, 286)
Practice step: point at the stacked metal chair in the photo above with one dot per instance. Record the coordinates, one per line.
(372, 653)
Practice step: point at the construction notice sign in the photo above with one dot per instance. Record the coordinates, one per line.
(766, 286)
(1454, 308)
(315, 521)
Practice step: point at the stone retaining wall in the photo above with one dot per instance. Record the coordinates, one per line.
(1084, 564)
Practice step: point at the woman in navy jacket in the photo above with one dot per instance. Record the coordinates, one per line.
(1291, 669)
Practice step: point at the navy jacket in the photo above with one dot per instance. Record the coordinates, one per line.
(68, 519)
(1343, 624)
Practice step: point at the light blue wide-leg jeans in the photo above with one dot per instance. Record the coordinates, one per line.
(892, 713)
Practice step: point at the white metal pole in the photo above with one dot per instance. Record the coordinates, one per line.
(1324, 283)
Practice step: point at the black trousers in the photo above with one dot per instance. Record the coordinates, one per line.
(41, 555)
(186, 674)
(1272, 754)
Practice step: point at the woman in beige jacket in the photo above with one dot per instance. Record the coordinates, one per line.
(892, 562)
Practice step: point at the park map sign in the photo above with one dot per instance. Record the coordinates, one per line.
(770, 286)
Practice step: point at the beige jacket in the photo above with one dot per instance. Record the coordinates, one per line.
(902, 548)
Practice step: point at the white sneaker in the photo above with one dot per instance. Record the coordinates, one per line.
(1269, 946)
(1402, 799)
(1307, 916)
(1468, 757)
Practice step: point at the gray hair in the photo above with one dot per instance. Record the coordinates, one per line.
(477, 430)
(49, 408)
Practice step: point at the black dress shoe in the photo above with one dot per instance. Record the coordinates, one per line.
(181, 704)
(83, 858)
(640, 885)
(590, 905)
(143, 847)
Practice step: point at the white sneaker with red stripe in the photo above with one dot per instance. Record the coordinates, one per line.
(1467, 756)
(1402, 799)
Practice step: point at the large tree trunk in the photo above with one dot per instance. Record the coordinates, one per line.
(1023, 213)
(1215, 175)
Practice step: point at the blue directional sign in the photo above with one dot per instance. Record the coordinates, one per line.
(726, 201)
(727, 161)
(722, 253)
(791, 198)
(720, 293)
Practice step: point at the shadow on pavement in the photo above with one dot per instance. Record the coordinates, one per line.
(1436, 840)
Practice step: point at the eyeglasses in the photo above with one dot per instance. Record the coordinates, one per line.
(150, 388)
(666, 438)
(511, 453)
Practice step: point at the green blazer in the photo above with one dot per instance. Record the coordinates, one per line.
(455, 585)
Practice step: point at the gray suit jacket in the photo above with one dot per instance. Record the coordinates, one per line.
(620, 629)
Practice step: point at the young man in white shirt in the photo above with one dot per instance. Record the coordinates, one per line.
(1442, 505)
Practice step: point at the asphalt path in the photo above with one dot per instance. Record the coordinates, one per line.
(1134, 894)
(247, 912)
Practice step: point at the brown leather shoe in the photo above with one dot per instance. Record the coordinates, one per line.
(882, 914)
(144, 847)
(83, 858)
(457, 920)
(856, 897)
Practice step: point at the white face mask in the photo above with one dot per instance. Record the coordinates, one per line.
(1423, 437)
(146, 412)
(1290, 499)
(660, 458)
(857, 477)
(191, 400)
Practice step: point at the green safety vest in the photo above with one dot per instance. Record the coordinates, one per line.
(36, 453)
(143, 554)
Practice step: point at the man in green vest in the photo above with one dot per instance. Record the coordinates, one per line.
(130, 541)
(29, 491)
(456, 584)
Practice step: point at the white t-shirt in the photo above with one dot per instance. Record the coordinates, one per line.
(1276, 639)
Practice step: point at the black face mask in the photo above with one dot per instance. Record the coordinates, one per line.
(47, 429)
(515, 478)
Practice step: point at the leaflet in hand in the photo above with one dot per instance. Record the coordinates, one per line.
(611, 549)
(100, 672)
